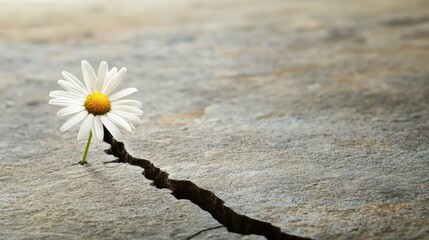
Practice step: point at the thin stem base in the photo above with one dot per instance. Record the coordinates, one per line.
(83, 161)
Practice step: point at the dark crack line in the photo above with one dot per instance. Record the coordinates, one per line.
(206, 200)
(204, 230)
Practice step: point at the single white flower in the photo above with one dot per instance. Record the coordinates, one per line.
(95, 103)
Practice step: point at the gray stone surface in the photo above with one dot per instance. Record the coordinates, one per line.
(311, 115)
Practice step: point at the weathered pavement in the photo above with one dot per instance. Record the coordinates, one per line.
(310, 115)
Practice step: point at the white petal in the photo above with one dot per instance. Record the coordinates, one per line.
(73, 121)
(70, 87)
(128, 109)
(85, 127)
(72, 79)
(126, 102)
(97, 128)
(65, 102)
(102, 72)
(119, 122)
(65, 94)
(89, 76)
(127, 116)
(112, 84)
(69, 111)
(116, 133)
(111, 74)
(123, 93)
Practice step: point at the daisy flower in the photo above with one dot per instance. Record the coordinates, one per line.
(95, 104)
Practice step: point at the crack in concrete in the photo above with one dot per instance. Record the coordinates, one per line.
(204, 230)
(206, 200)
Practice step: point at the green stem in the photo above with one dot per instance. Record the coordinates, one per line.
(83, 161)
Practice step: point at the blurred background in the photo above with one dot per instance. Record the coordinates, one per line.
(68, 21)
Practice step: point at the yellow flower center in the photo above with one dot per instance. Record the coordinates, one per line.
(97, 104)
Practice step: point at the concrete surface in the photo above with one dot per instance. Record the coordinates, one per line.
(311, 115)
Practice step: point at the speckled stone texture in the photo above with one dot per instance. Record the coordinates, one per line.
(310, 115)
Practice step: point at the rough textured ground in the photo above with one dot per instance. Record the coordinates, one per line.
(311, 115)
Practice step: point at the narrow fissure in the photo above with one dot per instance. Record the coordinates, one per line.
(206, 200)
